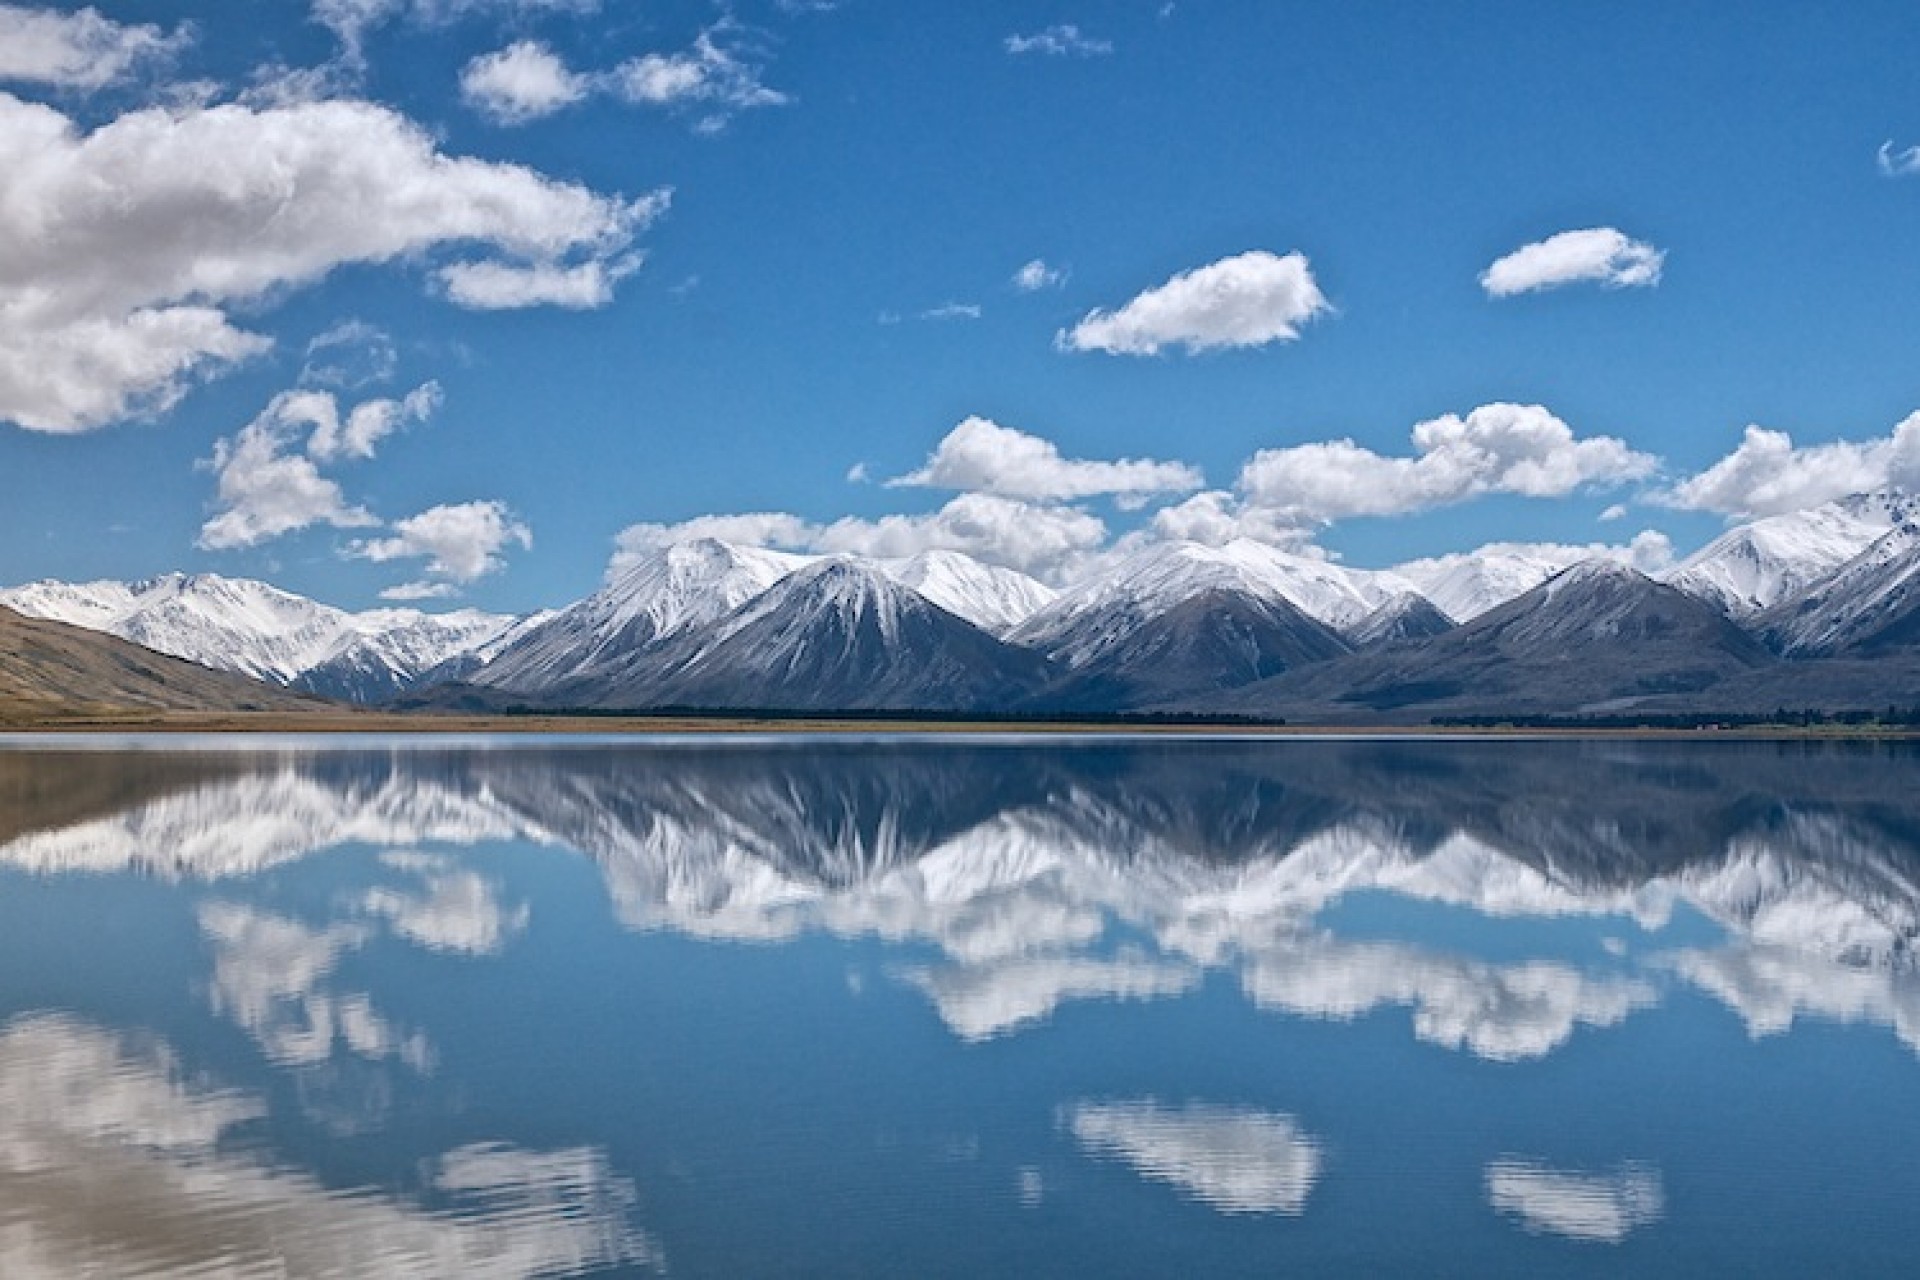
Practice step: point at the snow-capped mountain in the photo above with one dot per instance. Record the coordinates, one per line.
(1098, 612)
(1759, 564)
(671, 593)
(1407, 616)
(1593, 639)
(835, 634)
(258, 630)
(1465, 585)
(1871, 603)
(991, 597)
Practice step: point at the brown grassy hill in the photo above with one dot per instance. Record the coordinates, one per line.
(51, 671)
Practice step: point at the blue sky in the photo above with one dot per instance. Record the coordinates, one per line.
(666, 261)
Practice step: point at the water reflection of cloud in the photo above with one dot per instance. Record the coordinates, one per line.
(457, 910)
(1235, 1159)
(1601, 1207)
(1769, 987)
(1023, 883)
(978, 1002)
(1501, 1012)
(112, 1162)
(270, 976)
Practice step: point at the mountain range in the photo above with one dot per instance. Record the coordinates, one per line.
(1817, 609)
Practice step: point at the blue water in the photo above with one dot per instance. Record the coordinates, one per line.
(958, 1008)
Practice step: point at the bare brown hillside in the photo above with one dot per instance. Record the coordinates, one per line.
(49, 670)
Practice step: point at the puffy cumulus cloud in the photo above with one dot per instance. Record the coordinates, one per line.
(982, 456)
(1037, 275)
(368, 423)
(639, 542)
(1217, 517)
(1596, 255)
(122, 248)
(1769, 475)
(460, 542)
(1045, 541)
(718, 76)
(410, 592)
(79, 50)
(1234, 1159)
(1244, 301)
(269, 484)
(522, 82)
(1062, 40)
(1897, 164)
(1497, 448)
(1604, 1207)
(500, 286)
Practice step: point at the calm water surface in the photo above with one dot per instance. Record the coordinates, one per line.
(824, 1008)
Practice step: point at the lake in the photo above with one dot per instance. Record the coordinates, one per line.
(958, 1007)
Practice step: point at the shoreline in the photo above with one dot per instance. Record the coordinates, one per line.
(691, 726)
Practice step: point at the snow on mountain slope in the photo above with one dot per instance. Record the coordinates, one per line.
(838, 634)
(991, 597)
(1465, 585)
(258, 630)
(674, 592)
(1870, 603)
(1092, 615)
(1758, 565)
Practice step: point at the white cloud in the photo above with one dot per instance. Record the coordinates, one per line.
(1769, 475)
(407, 592)
(1598, 255)
(366, 425)
(1045, 541)
(1063, 40)
(639, 542)
(1233, 1159)
(79, 50)
(718, 76)
(121, 249)
(500, 286)
(1217, 517)
(460, 541)
(1497, 448)
(1037, 275)
(351, 20)
(266, 488)
(1604, 1207)
(953, 311)
(1618, 511)
(522, 82)
(1897, 164)
(351, 354)
(1244, 301)
(980, 456)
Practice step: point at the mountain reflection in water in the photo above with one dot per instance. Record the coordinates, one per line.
(1042, 875)
(1074, 1006)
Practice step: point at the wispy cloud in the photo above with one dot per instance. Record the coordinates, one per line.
(1063, 40)
(1897, 164)
(1596, 255)
(953, 311)
(1247, 300)
(1037, 275)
